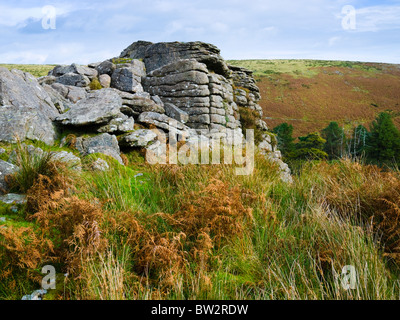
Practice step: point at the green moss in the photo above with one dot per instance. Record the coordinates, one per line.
(248, 119)
(274, 140)
(121, 60)
(95, 84)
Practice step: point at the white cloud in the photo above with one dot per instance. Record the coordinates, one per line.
(333, 40)
(378, 18)
(24, 57)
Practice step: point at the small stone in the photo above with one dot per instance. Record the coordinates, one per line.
(13, 198)
(105, 80)
(99, 165)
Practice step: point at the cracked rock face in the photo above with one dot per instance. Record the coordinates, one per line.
(139, 138)
(156, 55)
(207, 98)
(26, 109)
(98, 108)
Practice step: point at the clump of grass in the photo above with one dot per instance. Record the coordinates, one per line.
(95, 84)
(31, 164)
(248, 119)
(367, 193)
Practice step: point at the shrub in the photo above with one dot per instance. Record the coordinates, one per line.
(248, 119)
(31, 164)
(95, 84)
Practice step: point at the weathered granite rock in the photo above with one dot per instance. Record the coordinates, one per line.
(128, 77)
(60, 102)
(98, 108)
(106, 67)
(121, 123)
(105, 80)
(162, 121)
(13, 198)
(104, 143)
(68, 158)
(74, 68)
(158, 101)
(6, 168)
(139, 138)
(73, 79)
(49, 80)
(137, 104)
(163, 53)
(73, 94)
(185, 84)
(26, 110)
(174, 112)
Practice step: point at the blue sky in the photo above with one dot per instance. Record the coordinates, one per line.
(91, 31)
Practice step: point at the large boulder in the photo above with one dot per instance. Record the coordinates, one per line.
(104, 143)
(60, 71)
(106, 67)
(128, 77)
(26, 109)
(74, 79)
(99, 108)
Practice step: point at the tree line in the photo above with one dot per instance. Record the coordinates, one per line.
(379, 145)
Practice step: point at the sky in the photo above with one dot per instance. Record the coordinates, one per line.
(63, 32)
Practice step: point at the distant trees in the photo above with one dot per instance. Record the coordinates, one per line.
(310, 147)
(383, 142)
(284, 137)
(380, 145)
(335, 140)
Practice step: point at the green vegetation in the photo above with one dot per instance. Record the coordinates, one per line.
(335, 140)
(296, 68)
(95, 84)
(379, 146)
(202, 232)
(285, 139)
(37, 70)
(121, 60)
(383, 144)
(248, 119)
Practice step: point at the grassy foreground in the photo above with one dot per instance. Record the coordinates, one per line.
(200, 231)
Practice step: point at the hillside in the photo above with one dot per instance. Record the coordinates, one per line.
(309, 94)
(89, 196)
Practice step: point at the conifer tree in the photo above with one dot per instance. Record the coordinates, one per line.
(335, 140)
(383, 144)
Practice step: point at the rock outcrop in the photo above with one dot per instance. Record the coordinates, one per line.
(185, 88)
